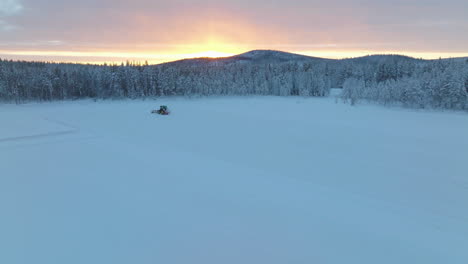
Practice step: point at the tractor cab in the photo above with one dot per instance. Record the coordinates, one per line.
(163, 110)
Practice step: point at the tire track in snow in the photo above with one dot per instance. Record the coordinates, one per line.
(71, 130)
(44, 135)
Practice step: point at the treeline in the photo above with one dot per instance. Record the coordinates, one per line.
(383, 79)
(439, 84)
(26, 81)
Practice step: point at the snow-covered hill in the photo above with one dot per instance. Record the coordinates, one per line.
(254, 57)
(379, 59)
(232, 180)
(274, 56)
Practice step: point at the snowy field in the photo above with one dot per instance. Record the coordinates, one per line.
(232, 180)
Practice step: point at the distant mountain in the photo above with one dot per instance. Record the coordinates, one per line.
(384, 58)
(461, 59)
(273, 57)
(252, 57)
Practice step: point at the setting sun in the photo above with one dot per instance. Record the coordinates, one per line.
(210, 54)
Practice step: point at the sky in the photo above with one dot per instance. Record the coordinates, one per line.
(98, 31)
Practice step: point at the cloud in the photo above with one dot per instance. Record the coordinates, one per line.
(36, 43)
(5, 27)
(193, 26)
(10, 7)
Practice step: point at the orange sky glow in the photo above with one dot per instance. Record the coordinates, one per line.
(154, 57)
(161, 31)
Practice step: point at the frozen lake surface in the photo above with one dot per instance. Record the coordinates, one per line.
(232, 180)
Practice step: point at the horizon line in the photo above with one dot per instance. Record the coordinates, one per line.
(142, 58)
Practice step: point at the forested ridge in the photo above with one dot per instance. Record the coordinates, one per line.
(386, 79)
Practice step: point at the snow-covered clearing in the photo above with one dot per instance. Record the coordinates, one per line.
(232, 180)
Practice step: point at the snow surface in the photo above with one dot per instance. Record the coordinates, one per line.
(232, 180)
